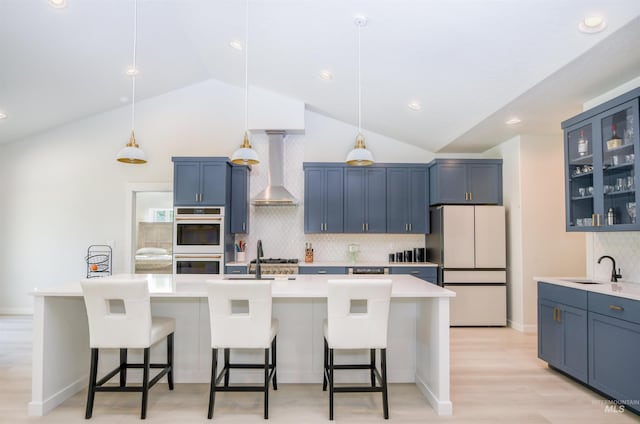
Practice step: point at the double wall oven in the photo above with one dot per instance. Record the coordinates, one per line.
(198, 240)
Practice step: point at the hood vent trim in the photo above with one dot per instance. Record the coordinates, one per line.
(275, 194)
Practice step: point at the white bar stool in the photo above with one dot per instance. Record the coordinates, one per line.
(119, 312)
(358, 314)
(240, 317)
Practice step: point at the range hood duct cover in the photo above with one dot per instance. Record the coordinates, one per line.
(275, 194)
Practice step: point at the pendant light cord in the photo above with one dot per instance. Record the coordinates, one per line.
(359, 85)
(135, 69)
(246, 67)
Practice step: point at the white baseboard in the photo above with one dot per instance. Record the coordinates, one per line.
(40, 408)
(16, 311)
(524, 328)
(442, 408)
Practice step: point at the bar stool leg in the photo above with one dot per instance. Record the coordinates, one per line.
(226, 366)
(92, 382)
(145, 384)
(123, 367)
(331, 384)
(273, 362)
(212, 390)
(373, 367)
(170, 360)
(326, 366)
(385, 398)
(266, 384)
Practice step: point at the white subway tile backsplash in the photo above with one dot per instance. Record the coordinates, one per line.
(281, 228)
(624, 246)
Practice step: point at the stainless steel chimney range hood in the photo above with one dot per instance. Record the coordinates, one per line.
(275, 194)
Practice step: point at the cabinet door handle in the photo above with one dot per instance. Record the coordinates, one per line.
(414, 272)
(322, 272)
(471, 196)
(363, 227)
(325, 226)
(196, 197)
(244, 226)
(594, 222)
(235, 272)
(409, 227)
(367, 225)
(616, 307)
(466, 195)
(598, 220)
(406, 227)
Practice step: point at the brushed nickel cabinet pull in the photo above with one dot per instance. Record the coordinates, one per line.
(322, 272)
(466, 195)
(197, 257)
(471, 195)
(616, 307)
(409, 227)
(196, 197)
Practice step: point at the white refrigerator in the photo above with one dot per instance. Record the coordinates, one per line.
(469, 245)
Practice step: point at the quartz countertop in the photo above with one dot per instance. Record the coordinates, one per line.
(349, 264)
(626, 289)
(303, 286)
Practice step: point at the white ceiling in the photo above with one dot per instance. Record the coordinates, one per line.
(471, 63)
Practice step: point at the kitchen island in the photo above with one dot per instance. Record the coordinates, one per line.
(418, 340)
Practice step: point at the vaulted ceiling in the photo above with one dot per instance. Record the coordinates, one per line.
(471, 64)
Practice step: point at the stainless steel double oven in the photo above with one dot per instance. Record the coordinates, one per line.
(198, 240)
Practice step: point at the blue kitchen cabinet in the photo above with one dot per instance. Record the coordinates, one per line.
(322, 270)
(600, 161)
(465, 181)
(239, 199)
(427, 273)
(236, 269)
(200, 181)
(407, 199)
(562, 329)
(323, 199)
(365, 200)
(614, 346)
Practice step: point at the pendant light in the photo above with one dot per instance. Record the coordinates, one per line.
(245, 155)
(132, 153)
(360, 155)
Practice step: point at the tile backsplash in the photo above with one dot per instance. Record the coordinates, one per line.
(281, 228)
(624, 246)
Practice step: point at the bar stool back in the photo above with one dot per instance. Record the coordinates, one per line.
(119, 314)
(358, 315)
(240, 318)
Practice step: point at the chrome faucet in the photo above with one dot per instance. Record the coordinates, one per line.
(259, 255)
(614, 275)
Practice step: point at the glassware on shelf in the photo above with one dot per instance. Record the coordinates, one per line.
(628, 133)
(582, 191)
(631, 210)
(583, 145)
(615, 140)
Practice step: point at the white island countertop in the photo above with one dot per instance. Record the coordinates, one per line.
(302, 286)
(626, 289)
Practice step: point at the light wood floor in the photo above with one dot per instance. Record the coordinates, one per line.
(495, 378)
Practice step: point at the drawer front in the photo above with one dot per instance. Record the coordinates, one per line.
(322, 270)
(475, 276)
(616, 307)
(427, 273)
(235, 270)
(565, 295)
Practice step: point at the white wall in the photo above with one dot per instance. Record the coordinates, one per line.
(538, 245)
(63, 190)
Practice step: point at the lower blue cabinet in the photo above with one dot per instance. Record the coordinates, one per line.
(562, 329)
(427, 273)
(322, 270)
(614, 349)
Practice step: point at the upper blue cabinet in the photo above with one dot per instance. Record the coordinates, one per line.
(200, 181)
(407, 200)
(323, 200)
(239, 199)
(600, 162)
(365, 201)
(465, 181)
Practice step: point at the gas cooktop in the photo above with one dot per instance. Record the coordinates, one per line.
(276, 261)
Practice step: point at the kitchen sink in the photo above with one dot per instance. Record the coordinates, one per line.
(582, 281)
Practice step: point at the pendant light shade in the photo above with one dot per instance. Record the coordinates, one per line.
(360, 155)
(245, 155)
(132, 153)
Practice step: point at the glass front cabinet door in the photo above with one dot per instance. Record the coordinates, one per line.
(600, 170)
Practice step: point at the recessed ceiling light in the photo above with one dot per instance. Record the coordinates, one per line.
(326, 75)
(592, 24)
(58, 4)
(235, 44)
(513, 121)
(414, 105)
(132, 72)
(3, 115)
